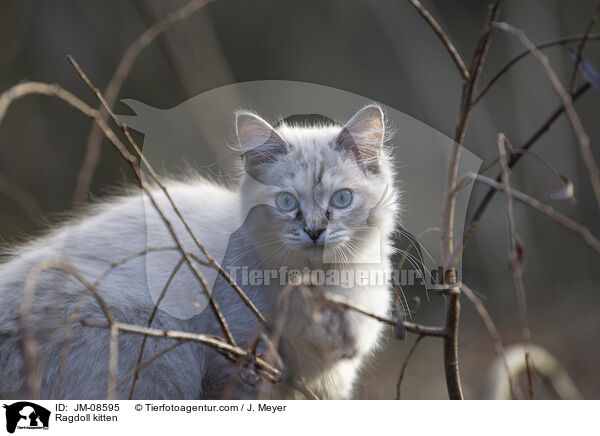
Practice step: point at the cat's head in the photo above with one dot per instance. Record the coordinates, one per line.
(315, 189)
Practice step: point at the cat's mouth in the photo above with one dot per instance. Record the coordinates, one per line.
(319, 246)
(312, 250)
(307, 246)
(313, 246)
(321, 243)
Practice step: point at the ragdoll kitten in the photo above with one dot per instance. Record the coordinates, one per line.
(312, 197)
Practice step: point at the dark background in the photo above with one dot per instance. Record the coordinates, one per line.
(380, 49)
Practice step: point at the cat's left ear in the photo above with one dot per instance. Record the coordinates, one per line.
(259, 143)
(362, 136)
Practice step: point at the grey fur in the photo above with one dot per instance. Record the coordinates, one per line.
(326, 356)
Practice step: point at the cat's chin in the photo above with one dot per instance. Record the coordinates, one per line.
(309, 250)
(313, 248)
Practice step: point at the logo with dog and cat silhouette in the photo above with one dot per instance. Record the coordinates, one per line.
(25, 415)
(194, 133)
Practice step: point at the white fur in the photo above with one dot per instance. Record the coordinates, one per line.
(325, 352)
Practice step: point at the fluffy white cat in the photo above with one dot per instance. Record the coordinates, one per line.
(312, 196)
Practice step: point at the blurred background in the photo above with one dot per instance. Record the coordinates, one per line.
(381, 49)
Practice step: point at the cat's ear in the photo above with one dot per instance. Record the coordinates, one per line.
(260, 144)
(362, 136)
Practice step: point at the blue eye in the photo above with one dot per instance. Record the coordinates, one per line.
(341, 198)
(286, 201)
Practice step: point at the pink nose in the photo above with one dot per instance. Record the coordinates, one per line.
(314, 234)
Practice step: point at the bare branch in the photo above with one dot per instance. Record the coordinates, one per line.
(494, 336)
(437, 29)
(515, 261)
(21, 90)
(514, 159)
(70, 322)
(30, 350)
(27, 88)
(147, 362)
(514, 256)
(226, 349)
(301, 387)
(93, 148)
(525, 53)
(451, 369)
(405, 365)
(113, 363)
(134, 163)
(54, 90)
(529, 368)
(464, 112)
(547, 210)
(448, 209)
(586, 35)
(151, 320)
(409, 326)
(213, 263)
(582, 137)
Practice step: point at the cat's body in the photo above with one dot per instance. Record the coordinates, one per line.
(325, 355)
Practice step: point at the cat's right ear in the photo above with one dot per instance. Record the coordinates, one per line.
(363, 137)
(259, 143)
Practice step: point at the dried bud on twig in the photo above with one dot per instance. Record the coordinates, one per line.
(400, 329)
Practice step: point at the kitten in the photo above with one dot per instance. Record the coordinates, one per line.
(312, 197)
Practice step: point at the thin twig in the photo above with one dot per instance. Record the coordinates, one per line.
(547, 210)
(515, 158)
(300, 386)
(451, 323)
(466, 181)
(151, 320)
(437, 29)
(113, 363)
(586, 35)
(213, 263)
(464, 112)
(494, 336)
(525, 53)
(70, 322)
(93, 148)
(30, 350)
(21, 90)
(409, 326)
(405, 365)
(582, 138)
(226, 349)
(514, 256)
(448, 208)
(529, 367)
(134, 163)
(516, 263)
(147, 362)
(27, 88)
(397, 287)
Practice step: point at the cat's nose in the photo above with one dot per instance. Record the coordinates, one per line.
(314, 234)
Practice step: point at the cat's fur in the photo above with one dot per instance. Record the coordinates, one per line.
(325, 352)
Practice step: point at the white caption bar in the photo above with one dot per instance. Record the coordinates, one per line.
(295, 417)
